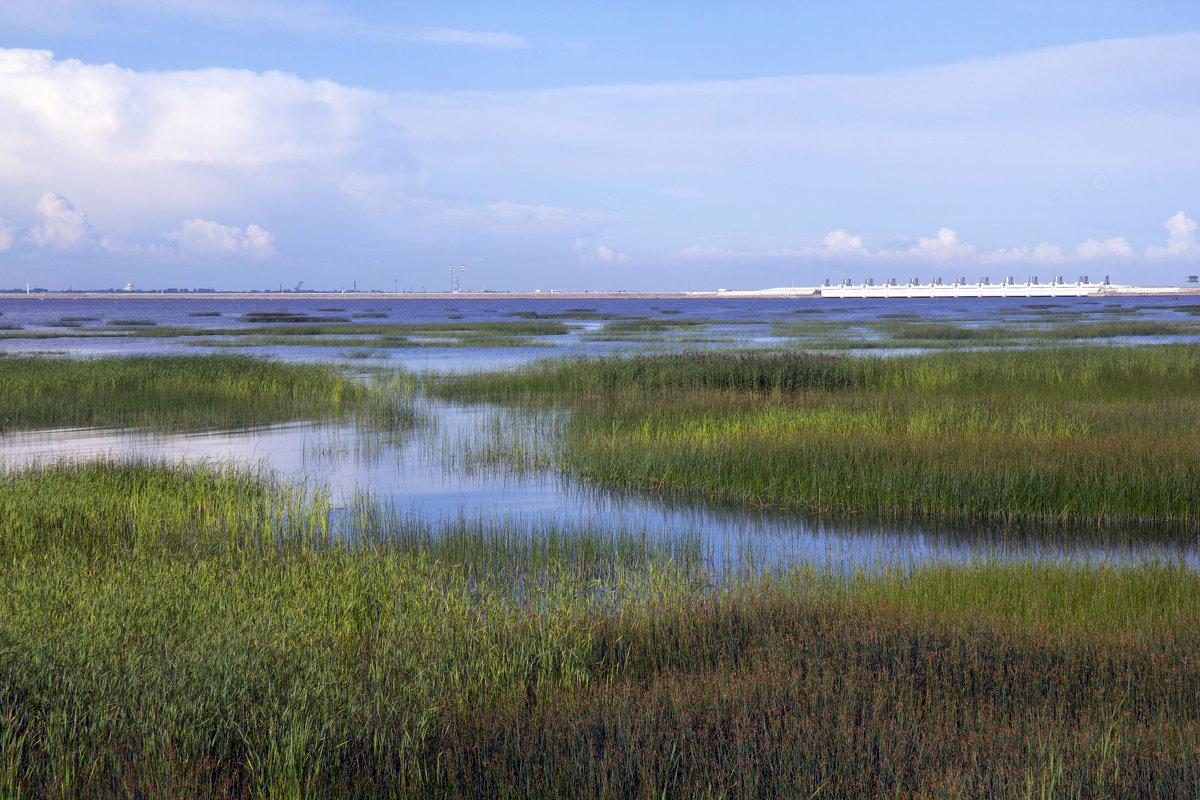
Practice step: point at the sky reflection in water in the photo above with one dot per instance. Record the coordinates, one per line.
(423, 472)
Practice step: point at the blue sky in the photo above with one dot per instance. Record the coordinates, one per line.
(595, 146)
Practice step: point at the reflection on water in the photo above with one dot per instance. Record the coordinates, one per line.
(491, 463)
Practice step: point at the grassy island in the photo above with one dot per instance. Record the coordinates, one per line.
(1077, 435)
(175, 392)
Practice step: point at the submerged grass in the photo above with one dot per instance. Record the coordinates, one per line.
(1050, 436)
(206, 632)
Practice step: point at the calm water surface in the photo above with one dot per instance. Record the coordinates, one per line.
(433, 472)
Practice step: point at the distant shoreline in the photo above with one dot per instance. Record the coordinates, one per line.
(805, 293)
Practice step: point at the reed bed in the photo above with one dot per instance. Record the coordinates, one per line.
(1054, 436)
(210, 632)
(1059, 326)
(388, 342)
(430, 329)
(181, 392)
(282, 329)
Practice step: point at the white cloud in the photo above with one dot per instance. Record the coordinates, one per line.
(1031, 118)
(62, 226)
(945, 246)
(598, 253)
(8, 235)
(608, 255)
(1181, 233)
(1115, 247)
(699, 252)
(484, 39)
(219, 117)
(1181, 238)
(1042, 252)
(204, 237)
(840, 243)
(143, 150)
(546, 215)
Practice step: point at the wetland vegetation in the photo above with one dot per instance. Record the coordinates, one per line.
(179, 392)
(214, 631)
(1088, 435)
(823, 326)
(204, 634)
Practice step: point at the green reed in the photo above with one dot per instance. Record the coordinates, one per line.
(467, 339)
(176, 391)
(317, 326)
(1060, 326)
(208, 632)
(1061, 436)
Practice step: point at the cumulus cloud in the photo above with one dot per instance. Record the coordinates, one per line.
(608, 255)
(840, 243)
(1115, 247)
(1181, 238)
(204, 237)
(1041, 252)
(142, 150)
(599, 253)
(62, 227)
(945, 246)
(8, 235)
(214, 116)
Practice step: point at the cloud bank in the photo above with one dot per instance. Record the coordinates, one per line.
(946, 249)
(233, 164)
(62, 227)
(1181, 238)
(207, 238)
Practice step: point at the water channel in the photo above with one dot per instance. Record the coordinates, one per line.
(484, 462)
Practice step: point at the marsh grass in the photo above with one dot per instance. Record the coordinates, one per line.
(174, 391)
(501, 328)
(380, 342)
(645, 325)
(572, 314)
(1059, 437)
(1033, 324)
(276, 317)
(210, 632)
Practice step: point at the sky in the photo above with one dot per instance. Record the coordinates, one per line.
(253, 144)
